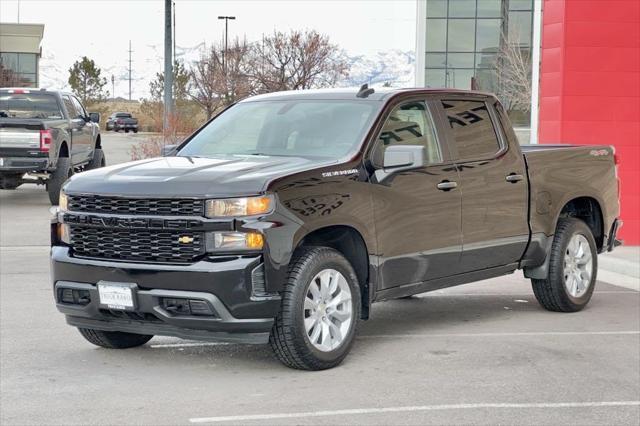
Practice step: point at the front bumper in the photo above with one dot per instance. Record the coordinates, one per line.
(224, 285)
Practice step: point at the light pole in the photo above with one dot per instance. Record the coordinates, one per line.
(226, 40)
(113, 87)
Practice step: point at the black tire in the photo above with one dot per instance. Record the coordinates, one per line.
(97, 161)
(126, 130)
(60, 175)
(288, 337)
(551, 292)
(114, 339)
(135, 130)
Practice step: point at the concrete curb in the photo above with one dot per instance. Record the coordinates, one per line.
(623, 260)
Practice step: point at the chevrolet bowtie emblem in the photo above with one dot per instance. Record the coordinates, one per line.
(185, 239)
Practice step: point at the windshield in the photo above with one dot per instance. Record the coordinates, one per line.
(304, 128)
(29, 105)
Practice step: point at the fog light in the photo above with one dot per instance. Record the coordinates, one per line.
(234, 241)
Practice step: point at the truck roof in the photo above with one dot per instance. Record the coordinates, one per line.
(35, 90)
(380, 94)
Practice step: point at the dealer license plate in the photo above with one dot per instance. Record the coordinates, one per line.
(116, 295)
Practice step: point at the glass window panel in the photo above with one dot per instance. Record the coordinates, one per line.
(520, 4)
(436, 8)
(10, 61)
(435, 78)
(487, 80)
(460, 60)
(436, 35)
(488, 34)
(486, 60)
(27, 63)
(462, 8)
(473, 132)
(520, 28)
(435, 60)
(28, 78)
(489, 9)
(409, 124)
(461, 35)
(459, 78)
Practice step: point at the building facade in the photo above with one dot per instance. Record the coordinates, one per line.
(20, 54)
(567, 71)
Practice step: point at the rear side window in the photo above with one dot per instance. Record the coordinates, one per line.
(29, 105)
(473, 133)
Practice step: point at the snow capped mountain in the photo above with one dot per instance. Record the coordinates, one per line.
(392, 67)
(395, 68)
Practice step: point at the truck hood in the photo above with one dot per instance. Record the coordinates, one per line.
(226, 176)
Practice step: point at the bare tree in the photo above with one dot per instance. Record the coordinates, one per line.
(214, 85)
(296, 60)
(514, 75)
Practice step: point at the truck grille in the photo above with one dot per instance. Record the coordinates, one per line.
(135, 206)
(137, 245)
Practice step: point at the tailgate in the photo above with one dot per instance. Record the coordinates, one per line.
(20, 134)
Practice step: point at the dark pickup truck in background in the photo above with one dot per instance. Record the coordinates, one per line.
(287, 216)
(44, 137)
(122, 121)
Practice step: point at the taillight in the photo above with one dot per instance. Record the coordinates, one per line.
(45, 140)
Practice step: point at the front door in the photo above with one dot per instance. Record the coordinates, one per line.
(417, 224)
(81, 132)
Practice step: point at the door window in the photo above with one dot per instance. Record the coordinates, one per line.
(409, 124)
(79, 108)
(473, 133)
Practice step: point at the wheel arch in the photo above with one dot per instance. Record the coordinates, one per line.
(589, 210)
(64, 150)
(350, 243)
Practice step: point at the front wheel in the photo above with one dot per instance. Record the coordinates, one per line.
(114, 339)
(317, 323)
(572, 268)
(97, 161)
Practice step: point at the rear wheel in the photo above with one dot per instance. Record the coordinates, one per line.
(572, 268)
(62, 172)
(114, 339)
(317, 323)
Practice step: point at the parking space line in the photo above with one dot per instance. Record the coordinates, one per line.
(357, 411)
(507, 334)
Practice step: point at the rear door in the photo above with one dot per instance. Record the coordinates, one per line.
(493, 184)
(417, 224)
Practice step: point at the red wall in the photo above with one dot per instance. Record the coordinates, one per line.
(590, 86)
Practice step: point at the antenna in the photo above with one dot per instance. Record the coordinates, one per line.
(365, 91)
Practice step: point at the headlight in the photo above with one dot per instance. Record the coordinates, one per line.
(234, 207)
(233, 241)
(63, 202)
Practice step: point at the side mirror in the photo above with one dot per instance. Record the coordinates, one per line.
(400, 158)
(404, 157)
(169, 150)
(94, 117)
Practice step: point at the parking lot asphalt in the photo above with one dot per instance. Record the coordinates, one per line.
(484, 353)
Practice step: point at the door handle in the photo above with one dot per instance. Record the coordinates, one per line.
(446, 185)
(513, 178)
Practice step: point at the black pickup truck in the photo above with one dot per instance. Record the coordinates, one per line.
(44, 137)
(288, 215)
(122, 121)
